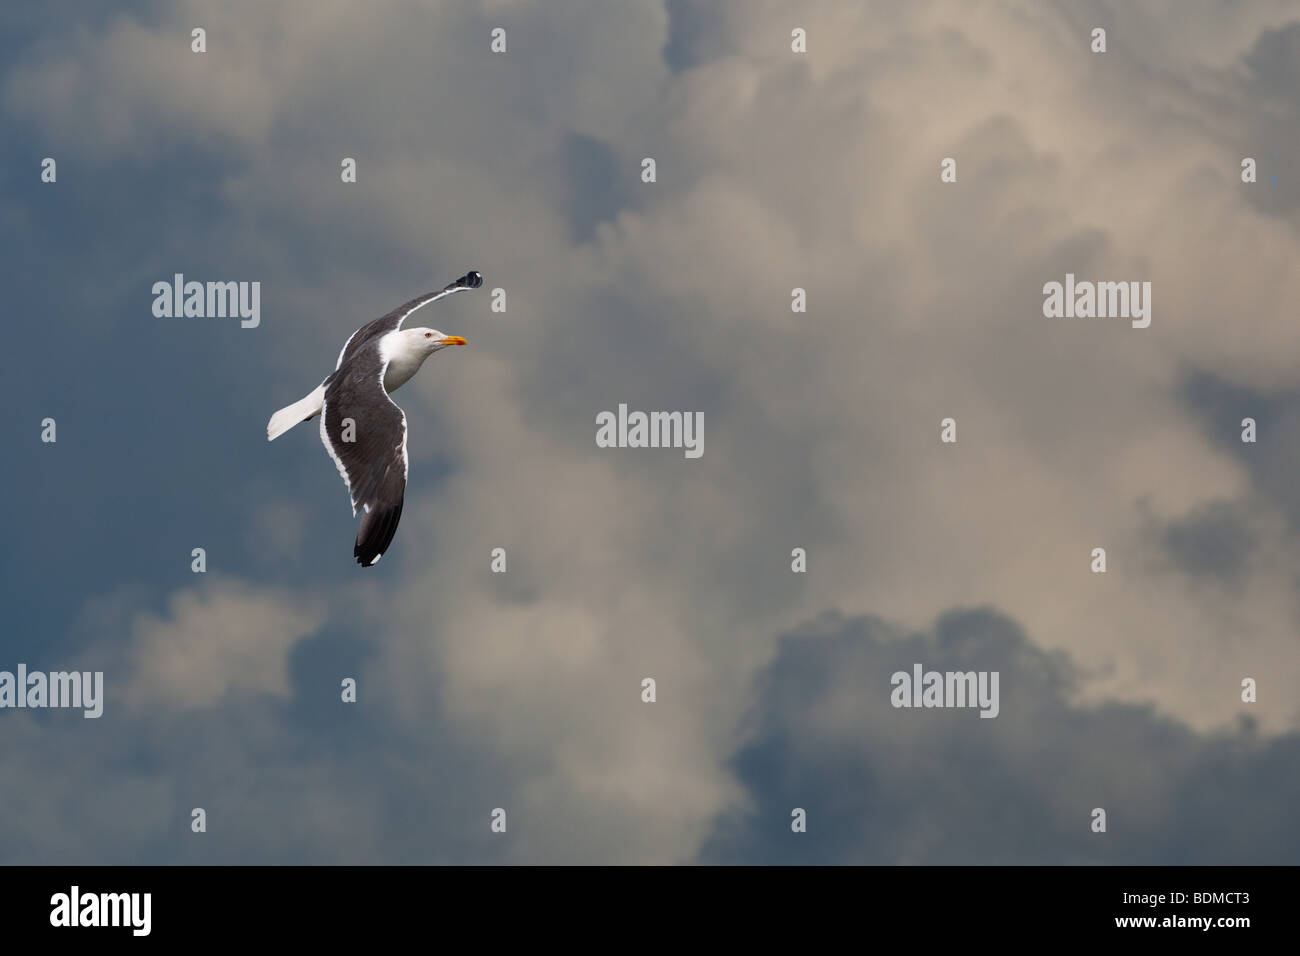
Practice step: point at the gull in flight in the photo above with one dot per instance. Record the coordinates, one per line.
(361, 427)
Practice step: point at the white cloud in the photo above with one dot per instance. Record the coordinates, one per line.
(216, 638)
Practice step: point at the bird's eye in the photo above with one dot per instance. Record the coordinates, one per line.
(428, 335)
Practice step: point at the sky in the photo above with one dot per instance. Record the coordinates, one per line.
(775, 169)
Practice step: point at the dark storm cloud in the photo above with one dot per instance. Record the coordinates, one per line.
(885, 785)
(1216, 540)
(594, 187)
(1274, 63)
(1273, 459)
(695, 30)
(1273, 69)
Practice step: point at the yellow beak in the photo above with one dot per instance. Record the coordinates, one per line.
(452, 340)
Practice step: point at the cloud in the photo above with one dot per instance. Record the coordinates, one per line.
(882, 785)
(776, 171)
(220, 637)
(1216, 541)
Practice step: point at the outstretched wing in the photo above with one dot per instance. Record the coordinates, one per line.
(393, 320)
(365, 434)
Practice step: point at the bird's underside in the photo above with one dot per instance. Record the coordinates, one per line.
(363, 430)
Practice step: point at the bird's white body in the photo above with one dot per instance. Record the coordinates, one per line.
(404, 351)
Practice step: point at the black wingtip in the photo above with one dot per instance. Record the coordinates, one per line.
(471, 279)
(376, 534)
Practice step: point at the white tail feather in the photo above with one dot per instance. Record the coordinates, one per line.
(302, 410)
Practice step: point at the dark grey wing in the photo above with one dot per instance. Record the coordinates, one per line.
(393, 320)
(365, 434)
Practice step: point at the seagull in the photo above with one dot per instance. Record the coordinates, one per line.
(361, 427)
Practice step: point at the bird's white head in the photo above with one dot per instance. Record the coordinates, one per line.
(431, 340)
